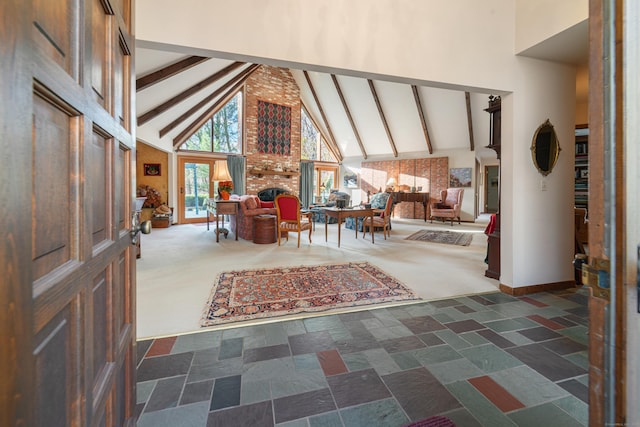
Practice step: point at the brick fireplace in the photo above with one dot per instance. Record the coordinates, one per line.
(276, 86)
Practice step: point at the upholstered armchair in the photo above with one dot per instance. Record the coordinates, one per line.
(381, 219)
(449, 205)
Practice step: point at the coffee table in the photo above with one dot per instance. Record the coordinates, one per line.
(340, 214)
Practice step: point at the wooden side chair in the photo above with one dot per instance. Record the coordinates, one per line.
(381, 219)
(290, 218)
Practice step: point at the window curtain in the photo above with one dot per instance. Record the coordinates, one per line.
(236, 169)
(306, 183)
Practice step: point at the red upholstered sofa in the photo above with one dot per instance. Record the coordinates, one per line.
(250, 206)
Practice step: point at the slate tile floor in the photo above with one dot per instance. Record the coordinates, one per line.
(483, 360)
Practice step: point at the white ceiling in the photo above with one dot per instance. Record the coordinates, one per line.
(445, 109)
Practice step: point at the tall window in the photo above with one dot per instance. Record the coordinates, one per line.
(314, 147)
(222, 133)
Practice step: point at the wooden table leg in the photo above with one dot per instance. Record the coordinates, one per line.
(326, 221)
(217, 229)
(339, 224)
(371, 229)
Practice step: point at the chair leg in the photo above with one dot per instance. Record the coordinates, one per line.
(279, 232)
(299, 233)
(310, 229)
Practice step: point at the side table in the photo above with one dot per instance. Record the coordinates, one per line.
(264, 229)
(222, 208)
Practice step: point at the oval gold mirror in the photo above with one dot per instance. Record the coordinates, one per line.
(545, 148)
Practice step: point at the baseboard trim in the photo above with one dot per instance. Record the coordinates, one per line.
(544, 287)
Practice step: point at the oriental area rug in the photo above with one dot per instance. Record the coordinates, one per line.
(272, 292)
(448, 237)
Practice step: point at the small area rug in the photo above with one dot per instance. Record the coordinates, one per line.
(271, 292)
(448, 237)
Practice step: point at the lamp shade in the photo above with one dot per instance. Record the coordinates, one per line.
(221, 171)
(391, 182)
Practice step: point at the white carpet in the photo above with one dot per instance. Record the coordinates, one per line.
(180, 263)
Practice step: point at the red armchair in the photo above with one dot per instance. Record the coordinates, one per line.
(242, 223)
(289, 217)
(449, 205)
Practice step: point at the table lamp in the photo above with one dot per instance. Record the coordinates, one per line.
(391, 184)
(221, 174)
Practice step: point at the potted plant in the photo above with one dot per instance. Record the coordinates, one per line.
(224, 189)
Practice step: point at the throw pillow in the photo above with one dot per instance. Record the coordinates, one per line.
(266, 204)
(251, 203)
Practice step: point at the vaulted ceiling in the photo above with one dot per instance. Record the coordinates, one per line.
(366, 118)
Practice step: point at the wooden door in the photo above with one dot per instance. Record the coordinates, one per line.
(67, 347)
(194, 182)
(614, 224)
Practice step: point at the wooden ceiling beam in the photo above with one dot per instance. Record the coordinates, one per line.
(197, 123)
(191, 111)
(348, 112)
(156, 111)
(423, 117)
(332, 140)
(382, 117)
(467, 97)
(168, 71)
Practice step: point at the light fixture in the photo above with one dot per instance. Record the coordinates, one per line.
(221, 171)
(222, 177)
(391, 184)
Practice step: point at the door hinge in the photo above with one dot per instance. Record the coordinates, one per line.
(596, 276)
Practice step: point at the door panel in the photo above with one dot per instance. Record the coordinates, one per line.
(67, 296)
(55, 30)
(55, 181)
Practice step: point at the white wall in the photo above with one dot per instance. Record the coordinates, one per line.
(408, 39)
(536, 224)
(464, 44)
(537, 20)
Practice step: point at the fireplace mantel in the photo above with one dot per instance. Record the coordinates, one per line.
(261, 173)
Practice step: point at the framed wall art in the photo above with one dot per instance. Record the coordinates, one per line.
(152, 169)
(459, 177)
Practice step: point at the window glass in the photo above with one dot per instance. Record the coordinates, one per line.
(310, 137)
(222, 133)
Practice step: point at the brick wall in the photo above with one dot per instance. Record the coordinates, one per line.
(429, 173)
(277, 86)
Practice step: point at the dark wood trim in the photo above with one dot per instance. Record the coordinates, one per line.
(330, 147)
(332, 139)
(168, 71)
(191, 111)
(382, 117)
(348, 112)
(156, 111)
(423, 117)
(544, 287)
(467, 97)
(182, 137)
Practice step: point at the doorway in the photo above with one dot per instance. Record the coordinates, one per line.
(195, 188)
(491, 193)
